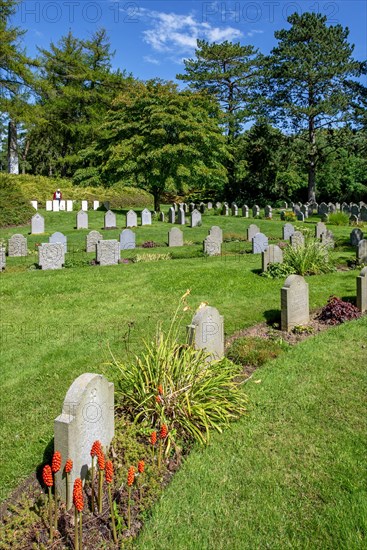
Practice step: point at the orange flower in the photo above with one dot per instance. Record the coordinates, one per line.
(153, 438)
(47, 476)
(158, 399)
(78, 498)
(109, 471)
(130, 476)
(141, 466)
(68, 466)
(56, 462)
(164, 432)
(96, 448)
(101, 461)
(160, 389)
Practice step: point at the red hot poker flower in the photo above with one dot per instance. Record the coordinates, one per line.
(56, 462)
(130, 476)
(78, 498)
(141, 466)
(101, 461)
(96, 448)
(153, 438)
(68, 466)
(160, 389)
(164, 432)
(47, 476)
(158, 399)
(109, 471)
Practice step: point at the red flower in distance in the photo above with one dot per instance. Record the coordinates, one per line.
(56, 462)
(68, 466)
(131, 476)
(47, 476)
(158, 399)
(78, 498)
(153, 438)
(109, 471)
(160, 389)
(96, 448)
(141, 466)
(101, 461)
(164, 432)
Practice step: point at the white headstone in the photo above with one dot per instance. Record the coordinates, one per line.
(131, 219)
(251, 231)
(362, 290)
(48, 206)
(272, 255)
(207, 331)
(175, 237)
(259, 243)
(216, 233)
(85, 206)
(34, 204)
(127, 239)
(82, 220)
(294, 303)
(37, 224)
(56, 205)
(146, 217)
(92, 239)
(109, 220)
(17, 245)
(62, 205)
(195, 218)
(288, 231)
(95, 205)
(211, 246)
(59, 238)
(69, 206)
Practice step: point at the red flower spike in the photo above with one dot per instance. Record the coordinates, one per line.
(56, 462)
(47, 476)
(109, 471)
(96, 448)
(164, 432)
(101, 461)
(160, 389)
(78, 498)
(153, 438)
(158, 399)
(68, 466)
(131, 476)
(141, 466)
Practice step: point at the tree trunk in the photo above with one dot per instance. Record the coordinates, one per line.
(13, 163)
(312, 154)
(157, 200)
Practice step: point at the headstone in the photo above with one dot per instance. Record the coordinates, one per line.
(202, 208)
(207, 331)
(363, 214)
(272, 255)
(323, 208)
(362, 290)
(210, 206)
(174, 206)
(191, 208)
(353, 219)
(59, 238)
(92, 239)
(259, 243)
(320, 228)
(345, 208)
(300, 216)
(131, 219)
(195, 218)
(161, 216)
(327, 239)
(109, 220)
(362, 252)
(268, 211)
(37, 224)
(17, 245)
(85, 205)
(225, 210)
(355, 210)
(95, 205)
(175, 237)
(62, 206)
(251, 231)
(285, 205)
(127, 239)
(288, 231)
(218, 205)
(294, 303)
(255, 211)
(34, 204)
(108, 252)
(305, 211)
(356, 235)
(146, 217)
(211, 246)
(69, 206)
(282, 215)
(297, 239)
(48, 206)
(216, 233)
(56, 205)
(332, 208)
(181, 217)
(234, 209)
(185, 207)
(2, 257)
(171, 215)
(245, 211)
(87, 416)
(106, 205)
(51, 256)
(82, 220)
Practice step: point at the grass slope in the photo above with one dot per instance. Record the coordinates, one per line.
(291, 474)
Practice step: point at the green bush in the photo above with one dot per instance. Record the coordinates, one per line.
(312, 258)
(338, 218)
(15, 208)
(254, 351)
(289, 217)
(278, 271)
(195, 394)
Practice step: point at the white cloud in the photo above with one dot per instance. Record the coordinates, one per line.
(252, 32)
(150, 59)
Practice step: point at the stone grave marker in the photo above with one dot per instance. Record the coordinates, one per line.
(362, 290)
(87, 416)
(62, 205)
(300, 216)
(245, 211)
(34, 204)
(218, 205)
(323, 208)
(255, 211)
(56, 205)
(305, 211)
(146, 217)
(95, 205)
(225, 210)
(202, 208)
(211, 246)
(234, 209)
(59, 238)
(171, 215)
(210, 206)
(37, 224)
(345, 208)
(127, 239)
(207, 331)
(181, 217)
(2, 257)
(17, 245)
(82, 220)
(294, 303)
(259, 243)
(288, 231)
(268, 211)
(356, 235)
(48, 206)
(85, 205)
(195, 218)
(216, 233)
(362, 252)
(355, 211)
(353, 219)
(69, 206)
(161, 216)
(175, 237)
(174, 206)
(106, 205)
(297, 239)
(109, 220)
(191, 207)
(363, 213)
(272, 255)
(131, 219)
(251, 231)
(108, 252)
(92, 239)
(320, 228)
(51, 256)
(327, 239)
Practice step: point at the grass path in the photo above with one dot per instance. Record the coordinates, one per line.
(291, 474)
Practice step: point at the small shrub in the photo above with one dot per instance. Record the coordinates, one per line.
(149, 244)
(338, 218)
(278, 271)
(254, 351)
(151, 257)
(310, 259)
(337, 311)
(302, 329)
(289, 217)
(15, 206)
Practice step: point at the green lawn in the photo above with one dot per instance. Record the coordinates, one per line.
(291, 473)
(57, 324)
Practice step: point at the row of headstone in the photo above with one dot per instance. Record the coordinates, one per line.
(195, 217)
(66, 205)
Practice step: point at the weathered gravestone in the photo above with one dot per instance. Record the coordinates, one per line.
(272, 255)
(268, 211)
(82, 220)
(363, 214)
(218, 205)
(356, 235)
(175, 237)
(92, 239)
(332, 208)
(34, 204)
(181, 217)
(195, 218)
(85, 205)
(108, 252)
(255, 211)
(225, 210)
(146, 217)
(353, 219)
(259, 243)
(207, 331)
(362, 290)
(216, 233)
(245, 211)
(355, 211)
(171, 215)
(211, 246)
(251, 231)
(62, 206)
(327, 239)
(87, 416)
(2, 257)
(297, 239)
(161, 216)
(288, 231)
(174, 206)
(37, 224)
(320, 228)
(69, 206)
(48, 206)
(345, 208)
(362, 252)
(95, 205)
(300, 216)
(323, 208)
(234, 209)
(191, 207)
(210, 206)
(131, 219)
(56, 205)
(109, 220)
(59, 238)
(127, 239)
(202, 208)
(305, 211)
(51, 256)
(17, 245)
(294, 303)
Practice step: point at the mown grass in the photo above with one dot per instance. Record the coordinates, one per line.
(291, 473)
(56, 325)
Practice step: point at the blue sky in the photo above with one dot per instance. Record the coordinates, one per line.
(151, 38)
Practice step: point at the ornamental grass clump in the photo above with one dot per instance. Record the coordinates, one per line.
(199, 393)
(311, 258)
